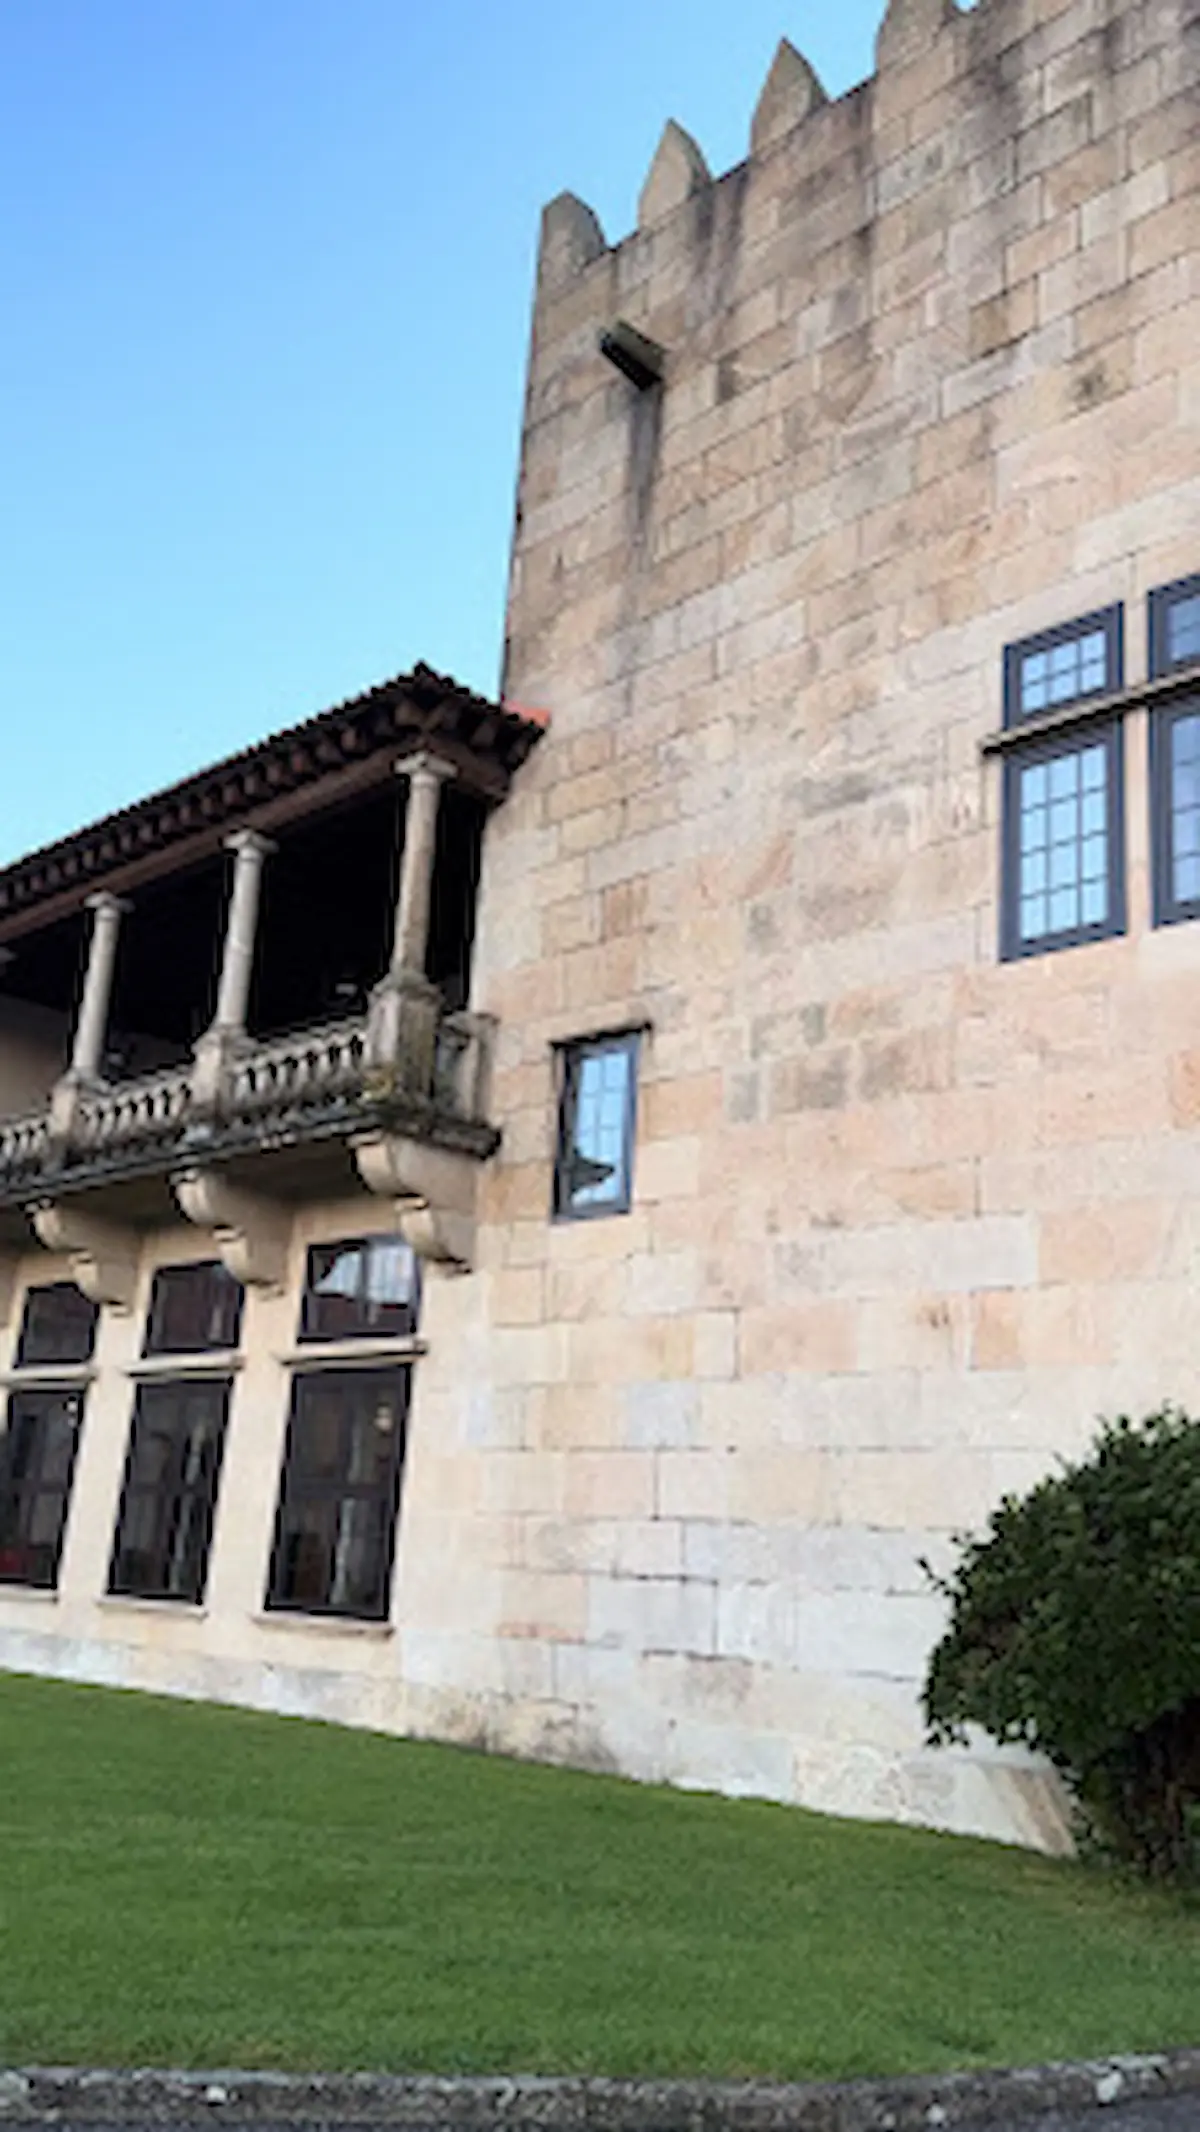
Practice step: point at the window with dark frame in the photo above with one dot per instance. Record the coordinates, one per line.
(169, 1499)
(1174, 631)
(1174, 635)
(39, 1435)
(593, 1167)
(194, 1309)
(39, 1432)
(1063, 872)
(58, 1325)
(339, 1498)
(360, 1288)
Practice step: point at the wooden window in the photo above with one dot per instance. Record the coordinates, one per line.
(170, 1493)
(360, 1288)
(335, 1531)
(39, 1433)
(593, 1170)
(1063, 837)
(59, 1325)
(193, 1309)
(1174, 618)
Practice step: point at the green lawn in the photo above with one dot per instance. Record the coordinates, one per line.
(195, 1886)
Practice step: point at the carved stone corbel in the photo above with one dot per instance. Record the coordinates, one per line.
(433, 1191)
(251, 1234)
(102, 1257)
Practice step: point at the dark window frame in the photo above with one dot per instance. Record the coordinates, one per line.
(178, 1497)
(1168, 908)
(1065, 738)
(32, 1350)
(20, 1501)
(1159, 603)
(1110, 621)
(311, 1332)
(571, 1055)
(176, 1275)
(336, 1492)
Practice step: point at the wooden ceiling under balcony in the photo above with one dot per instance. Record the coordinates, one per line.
(299, 771)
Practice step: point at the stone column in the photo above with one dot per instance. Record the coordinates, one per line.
(403, 1015)
(425, 775)
(241, 928)
(227, 1032)
(92, 1026)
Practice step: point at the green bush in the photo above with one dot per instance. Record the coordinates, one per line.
(1075, 1628)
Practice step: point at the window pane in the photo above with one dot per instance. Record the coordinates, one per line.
(360, 1286)
(193, 1309)
(1093, 903)
(1185, 805)
(592, 1170)
(1063, 847)
(171, 1478)
(38, 1437)
(1076, 667)
(1080, 661)
(339, 1493)
(59, 1325)
(1183, 629)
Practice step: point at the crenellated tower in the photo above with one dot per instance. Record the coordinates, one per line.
(818, 463)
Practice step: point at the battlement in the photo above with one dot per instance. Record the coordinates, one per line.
(1013, 66)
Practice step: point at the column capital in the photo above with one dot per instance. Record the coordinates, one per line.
(106, 905)
(424, 765)
(250, 840)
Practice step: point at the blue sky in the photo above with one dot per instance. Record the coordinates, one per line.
(267, 270)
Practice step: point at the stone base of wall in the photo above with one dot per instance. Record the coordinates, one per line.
(1007, 1795)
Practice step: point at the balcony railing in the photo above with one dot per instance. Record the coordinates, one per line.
(317, 1081)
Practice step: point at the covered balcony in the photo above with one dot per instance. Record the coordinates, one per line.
(251, 991)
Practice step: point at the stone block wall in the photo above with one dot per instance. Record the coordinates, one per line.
(906, 1217)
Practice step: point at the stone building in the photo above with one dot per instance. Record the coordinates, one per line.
(796, 1143)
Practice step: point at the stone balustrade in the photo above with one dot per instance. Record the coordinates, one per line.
(313, 1065)
(150, 1108)
(317, 1078)
(23, 1142)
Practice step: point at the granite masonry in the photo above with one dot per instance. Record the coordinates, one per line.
(856, 565)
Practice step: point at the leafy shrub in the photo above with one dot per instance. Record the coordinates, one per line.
(1075, 1628)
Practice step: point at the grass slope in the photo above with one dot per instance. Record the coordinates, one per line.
(197, 1886)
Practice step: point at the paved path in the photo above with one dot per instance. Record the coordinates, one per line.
(1178, 2113)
